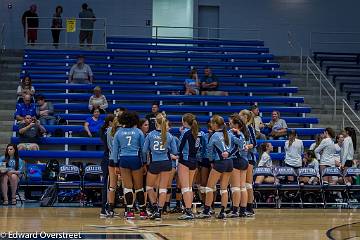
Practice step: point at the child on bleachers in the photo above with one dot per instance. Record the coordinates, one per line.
(25, 88)
(310, 161)
(192, 84)
(265, 161)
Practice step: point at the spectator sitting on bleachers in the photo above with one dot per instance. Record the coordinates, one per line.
(80, 72)
(265, 161)
(152, 116)
(192, 83)
(310, 161)
(326, 149)
(30, 132)
(12, 168)
(210, 84)
(98, 100)
(294, 148)
(93, 124)
(45, 111)
(25, 88)
(259, 125)
(278, 127)
(25, 108)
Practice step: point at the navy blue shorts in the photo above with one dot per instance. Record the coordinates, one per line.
(113, 164)
(130, 162)
(240, 163)
(205, 163)
(160, 166)
(191, 164)
(223, 166)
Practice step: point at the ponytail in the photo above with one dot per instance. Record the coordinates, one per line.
(163, 131)
(195, 129)
(226, 136)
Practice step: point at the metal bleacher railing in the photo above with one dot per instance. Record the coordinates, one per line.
(325, 85)
(2, 38)
(70, 35)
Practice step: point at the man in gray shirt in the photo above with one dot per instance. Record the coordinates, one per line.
(80, 72)
(30, 132)
(86, 25)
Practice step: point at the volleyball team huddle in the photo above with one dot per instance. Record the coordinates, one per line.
(148, 164)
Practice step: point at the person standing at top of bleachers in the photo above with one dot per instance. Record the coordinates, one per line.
(210, 84)
(192, 84)
(259, 125)
(98, 100)
(151, 117)
(56, 25)
(81, 72)
(86, 25)
(278, 127)
(30, 20)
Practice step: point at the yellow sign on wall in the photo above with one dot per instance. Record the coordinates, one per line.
(70, 25)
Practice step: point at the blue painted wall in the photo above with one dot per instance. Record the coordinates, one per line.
(274, 18)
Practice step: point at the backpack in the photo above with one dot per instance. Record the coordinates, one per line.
(49, 197)
(51, 170)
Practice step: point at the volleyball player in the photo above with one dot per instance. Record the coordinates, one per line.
(113, 169)
(126, 152)
(190, 142)
(105, 162)
(219, 148)
(159, 144)
(205, 164)
(248, 118)
(240, 162)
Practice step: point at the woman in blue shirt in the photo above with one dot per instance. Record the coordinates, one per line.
(14, 168)
(159, 143)
(190, 143)
(238, 177)
(248, 119)
(192, 84)
(126, 153)
(93, 124)
(219, 147)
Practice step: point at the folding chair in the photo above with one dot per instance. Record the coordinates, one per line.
(353, 189)
(92, 184)
(288, 191)
(310, 194)
(69, 183)
(334, 194)
(265, 191)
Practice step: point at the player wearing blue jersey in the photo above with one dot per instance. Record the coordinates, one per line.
(205, 164)
(240, 160)
(248, 119)
(219, 147)
(113, 169)
(190, 142)
(126, 153)
(159, 143)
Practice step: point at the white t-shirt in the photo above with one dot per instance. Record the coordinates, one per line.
(347, 150)
(265, 160)
(326, 149)
(293, 153)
